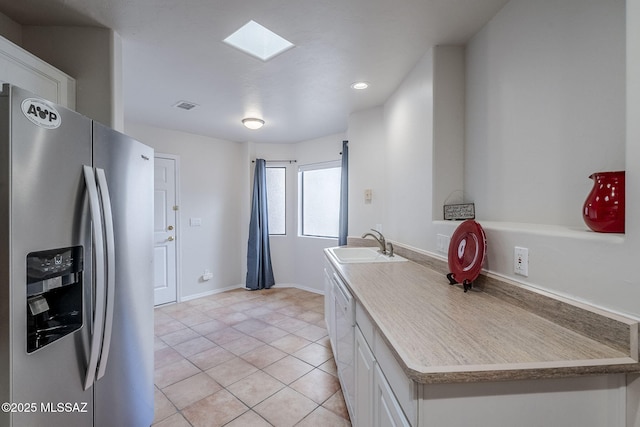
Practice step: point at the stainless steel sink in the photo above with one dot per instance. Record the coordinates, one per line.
(362, 255)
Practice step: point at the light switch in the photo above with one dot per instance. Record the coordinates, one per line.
(195, 222)
(368, 195)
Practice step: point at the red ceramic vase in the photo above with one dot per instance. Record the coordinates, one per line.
(604, 208)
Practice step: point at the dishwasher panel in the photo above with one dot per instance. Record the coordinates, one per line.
(345, 322)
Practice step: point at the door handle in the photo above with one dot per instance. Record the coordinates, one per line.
(111, 269)
(170, 227)
(100, 280)
(170, 238)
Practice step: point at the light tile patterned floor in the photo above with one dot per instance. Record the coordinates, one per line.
(246, 358)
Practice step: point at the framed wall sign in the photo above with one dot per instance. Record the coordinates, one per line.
(460, 211)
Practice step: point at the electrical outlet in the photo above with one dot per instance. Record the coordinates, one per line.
(442, 243)
(521, 261)
(207, 275)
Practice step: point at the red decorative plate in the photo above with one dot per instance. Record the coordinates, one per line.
(467, 250)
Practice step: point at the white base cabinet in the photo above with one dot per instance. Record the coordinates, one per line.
(375, 404)
(588, 401)
(386, 397)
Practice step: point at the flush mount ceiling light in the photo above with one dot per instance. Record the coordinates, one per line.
(258, 41)
(252, 123)
(360, 85)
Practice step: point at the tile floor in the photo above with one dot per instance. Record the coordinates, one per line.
(246, 358)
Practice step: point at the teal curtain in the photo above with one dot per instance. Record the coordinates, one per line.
(344, 196)
(259, 269)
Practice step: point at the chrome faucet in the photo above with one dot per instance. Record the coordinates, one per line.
(381, 241)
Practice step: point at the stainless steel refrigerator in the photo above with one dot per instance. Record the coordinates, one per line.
(76, 254)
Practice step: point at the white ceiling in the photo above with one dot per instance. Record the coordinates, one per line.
(173, 51)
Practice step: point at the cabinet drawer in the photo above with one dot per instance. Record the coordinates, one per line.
(365, 324)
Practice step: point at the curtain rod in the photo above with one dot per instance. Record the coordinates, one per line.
(278, 161)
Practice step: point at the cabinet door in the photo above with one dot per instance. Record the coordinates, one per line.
(587, 401)
(387, 411)
(364, 362)
(21, 68)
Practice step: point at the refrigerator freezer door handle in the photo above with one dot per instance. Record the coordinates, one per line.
(99, 269)
(111, 269)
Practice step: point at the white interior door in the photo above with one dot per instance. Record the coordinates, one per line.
(165, 230)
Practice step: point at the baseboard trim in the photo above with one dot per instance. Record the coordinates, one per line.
(242, 286)
(208, 293)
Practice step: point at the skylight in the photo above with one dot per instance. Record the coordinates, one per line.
(258, 41)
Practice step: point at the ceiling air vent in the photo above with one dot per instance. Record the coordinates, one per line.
(185, 105)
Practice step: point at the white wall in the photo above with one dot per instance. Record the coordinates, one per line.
(367, 170)
(545, 94)
(633, 133)
(282, 247)
(298, 260)
(545, 108)
(449, 92)
(216, 182)
(10, 29)
(409, 156)
(213, 187)
(399, 150)
(93, 56)
(309, 266)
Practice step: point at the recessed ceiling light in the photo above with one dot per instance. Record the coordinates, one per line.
(258, 41)
(360, 85)
(252, 123)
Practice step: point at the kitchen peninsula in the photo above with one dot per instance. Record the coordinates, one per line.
(500, 354)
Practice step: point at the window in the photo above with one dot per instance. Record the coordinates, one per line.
(276, 200)
(320, 199)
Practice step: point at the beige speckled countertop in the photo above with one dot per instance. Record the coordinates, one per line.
(440, 334)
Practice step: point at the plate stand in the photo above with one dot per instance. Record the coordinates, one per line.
(466, 285)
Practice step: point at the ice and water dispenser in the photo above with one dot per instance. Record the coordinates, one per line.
(54, 295)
